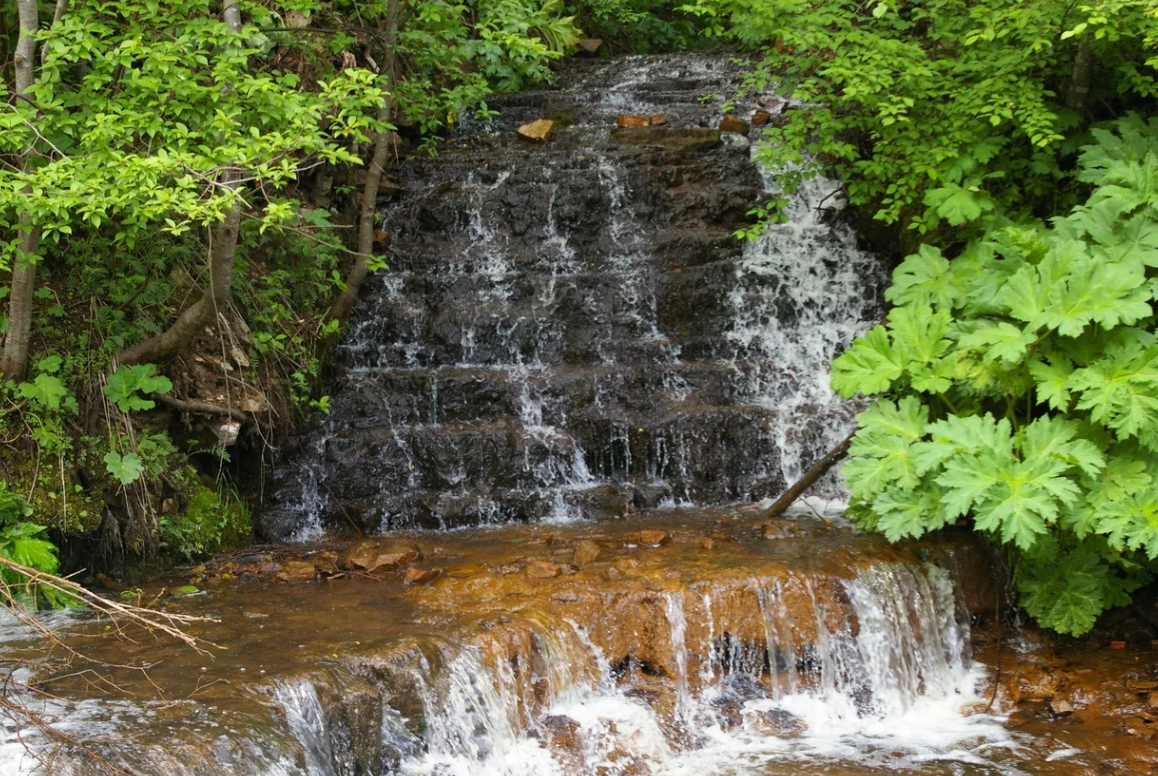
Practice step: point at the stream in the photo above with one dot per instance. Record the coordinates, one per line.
(555, 417)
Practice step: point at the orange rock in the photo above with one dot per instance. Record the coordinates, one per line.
(297, 571)
(760, 118)
(589, 45)
(707, 543)
(417, 576)
(627, 121)
(654, 538)
(658, 119)
(1152, 702)
(373, 557)
(733, 123)
(586, 551)
(326, 562)
(542, 569)
(538, 131)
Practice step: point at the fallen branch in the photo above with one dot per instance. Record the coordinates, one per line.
(812, 475)
(168, 623)
(194, 405)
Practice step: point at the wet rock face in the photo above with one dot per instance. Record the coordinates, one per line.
(567, 315)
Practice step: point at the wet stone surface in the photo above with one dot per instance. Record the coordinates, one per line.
(821, 651)
(568, 316)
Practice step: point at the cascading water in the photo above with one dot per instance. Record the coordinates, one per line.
(571, 330)
(568, 331)
(888, 679)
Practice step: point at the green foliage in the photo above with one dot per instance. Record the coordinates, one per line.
(211, 520)
(1025, 373)
(129, 384)
(23, 542)
(637, 25)
(940, 115)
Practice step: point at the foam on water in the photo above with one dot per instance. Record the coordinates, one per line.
(803, 292)
(890, 695)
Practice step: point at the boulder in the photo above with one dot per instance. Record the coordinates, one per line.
(417, 576)
(658, 119)
(654, 538)
(760, 118)
(297, 571)
(588, 46)
(538, 131)
(326, 562)
(735, 125)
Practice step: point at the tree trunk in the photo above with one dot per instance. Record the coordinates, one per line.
(222, 255)
(14, 360)
(344, 304)
(820, 467)
(1078, 98)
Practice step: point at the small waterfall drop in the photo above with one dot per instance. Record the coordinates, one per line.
(884, 672)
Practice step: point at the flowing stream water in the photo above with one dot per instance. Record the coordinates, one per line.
(573, 363)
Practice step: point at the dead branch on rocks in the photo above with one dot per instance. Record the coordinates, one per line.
(15, 693)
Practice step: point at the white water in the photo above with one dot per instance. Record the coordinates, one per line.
(803, 292)
(889, 695)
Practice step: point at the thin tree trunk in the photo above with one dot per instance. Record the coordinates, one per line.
(193, 318)
(1079, 95)
(222, 256)
(344, 304)
(829, 460)
(14, 360)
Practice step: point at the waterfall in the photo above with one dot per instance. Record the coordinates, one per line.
(572, 331)
(887, 683)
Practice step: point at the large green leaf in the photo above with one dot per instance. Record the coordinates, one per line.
(924, 278)
(869, 366)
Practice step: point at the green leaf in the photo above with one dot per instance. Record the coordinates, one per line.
(919, 333)
(924, 279)
(907, 513)
(970, 436)
(1120, 391)
(1002, 341)
(127, 468)
(124, 387)
(1059, 439)
(958, 205)
(46, 391)
(1051, 373)
(869, 366)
